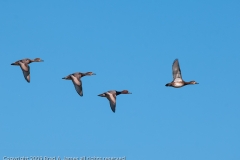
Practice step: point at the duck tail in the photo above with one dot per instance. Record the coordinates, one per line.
(102, 95)
(168, 84)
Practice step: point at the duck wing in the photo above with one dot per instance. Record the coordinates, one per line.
(79, 89)
(112, 100)
(26, 71)
(78, 85)
(176, 71)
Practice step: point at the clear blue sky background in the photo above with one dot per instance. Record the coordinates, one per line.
(129, 45)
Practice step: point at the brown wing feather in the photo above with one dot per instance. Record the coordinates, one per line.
(176, 71)
(112, 100)
(26, 71)
(78, 87)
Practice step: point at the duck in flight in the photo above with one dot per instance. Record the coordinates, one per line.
(76, 79)
(111, 96)
(24, 64)
(177, 77)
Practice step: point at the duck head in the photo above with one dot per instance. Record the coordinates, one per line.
(193, 82)
(125, 92)
(90, 73)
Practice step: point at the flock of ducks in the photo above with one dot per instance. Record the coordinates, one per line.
(110, 95)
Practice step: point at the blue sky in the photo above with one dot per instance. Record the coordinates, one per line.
(129, 45)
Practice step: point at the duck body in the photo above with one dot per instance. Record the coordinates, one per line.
(176, 84)
(179, 84)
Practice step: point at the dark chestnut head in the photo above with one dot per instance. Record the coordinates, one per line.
(125, 92)
(193, 82)
(89, 74)
(37, 60)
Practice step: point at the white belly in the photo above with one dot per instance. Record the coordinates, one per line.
(178, 85)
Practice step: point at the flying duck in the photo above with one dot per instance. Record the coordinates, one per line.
(177, 77)
(76, 79)
(111, 96)
(25, 67)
